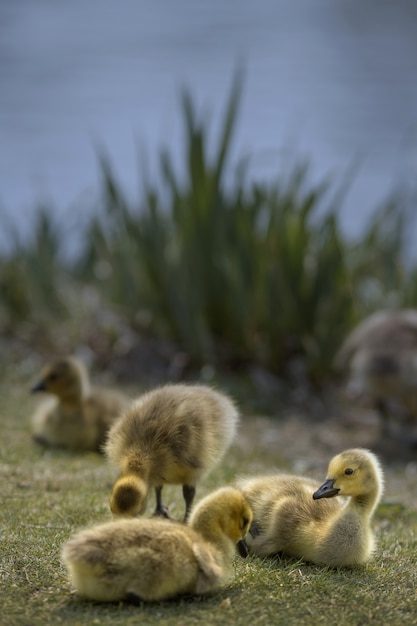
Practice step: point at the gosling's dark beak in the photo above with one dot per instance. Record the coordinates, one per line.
(40, 386)
(242, 548)
(326, 490)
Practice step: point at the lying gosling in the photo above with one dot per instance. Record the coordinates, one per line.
(157, 559)
(172, 435)
(379, 358)
(296, 516)
(79, 417)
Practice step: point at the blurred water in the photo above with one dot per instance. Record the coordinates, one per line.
(335, 81)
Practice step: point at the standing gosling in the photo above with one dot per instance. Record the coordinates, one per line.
(78, 417)
(293, 514)
(158, 559)
(172, 435)
(379, 358)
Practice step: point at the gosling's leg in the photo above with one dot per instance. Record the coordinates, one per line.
(385, 427)
(160, 510)
(188, 491)
(402, 435)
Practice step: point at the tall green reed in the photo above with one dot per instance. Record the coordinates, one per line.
(232, 270)
(32, 277)
(233, 273)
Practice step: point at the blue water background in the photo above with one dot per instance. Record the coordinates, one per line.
(331, 80)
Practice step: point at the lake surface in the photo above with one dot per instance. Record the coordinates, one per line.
(334, 81)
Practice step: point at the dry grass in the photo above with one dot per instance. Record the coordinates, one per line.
(46, 495)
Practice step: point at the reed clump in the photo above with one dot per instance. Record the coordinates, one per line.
(233, 270)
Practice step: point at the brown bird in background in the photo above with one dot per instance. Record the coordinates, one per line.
(379, 359)
(78, 416)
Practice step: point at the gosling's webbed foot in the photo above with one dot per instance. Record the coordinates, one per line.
(162, 511)
(132, 598)
(45, 443)
(38, 439)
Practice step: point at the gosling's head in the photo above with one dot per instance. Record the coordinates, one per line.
(65, 378)
(128, 497)
(225, 508)
(355, 472)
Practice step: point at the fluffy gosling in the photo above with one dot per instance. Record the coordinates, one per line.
(172, 435)
(78, 417)
(157, 559)
(379, 358)
(297, 516)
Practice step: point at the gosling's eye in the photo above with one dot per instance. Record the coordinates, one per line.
(52, 377)
(349, 471)
(245, 522)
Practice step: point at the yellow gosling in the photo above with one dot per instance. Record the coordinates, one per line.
(174, 434)
(296, 516)
(157, 559)
(77, 417)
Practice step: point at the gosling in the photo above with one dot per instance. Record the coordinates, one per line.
(296, 516)
(175, 435)
(157, 559)
(78, 417)
(379, 359)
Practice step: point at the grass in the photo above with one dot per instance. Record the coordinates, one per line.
(47, 495)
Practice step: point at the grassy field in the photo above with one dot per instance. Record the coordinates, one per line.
(47, 495)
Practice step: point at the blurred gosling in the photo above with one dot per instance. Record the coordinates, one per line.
(379, 358)
(78, 417)
(174, 434)
(157, 559)
(296, 516)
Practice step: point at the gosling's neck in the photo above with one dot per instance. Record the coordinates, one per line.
(365, 504)
(76, 393)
